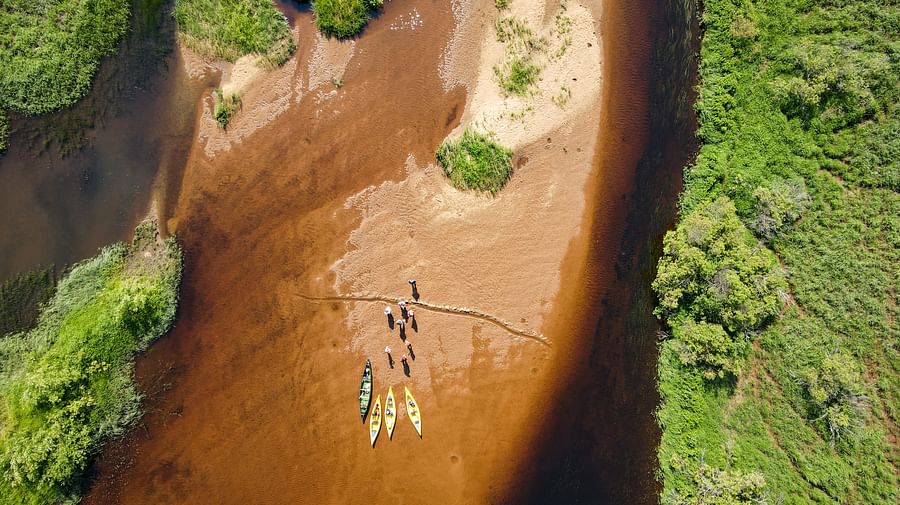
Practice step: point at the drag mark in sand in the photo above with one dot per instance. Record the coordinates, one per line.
(446, 309)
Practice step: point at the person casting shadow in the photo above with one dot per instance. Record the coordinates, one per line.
(415, 289)
(412, 353)
(405, 365)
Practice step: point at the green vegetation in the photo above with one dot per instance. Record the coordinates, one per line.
(475, 161)
(229, 29)
(519, 71)
(343, 18)
(67, 384)
(226, 107)
(501, 4)
(50, 51)
(22, 297)
(775, 392)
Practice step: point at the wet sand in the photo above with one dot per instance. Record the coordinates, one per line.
(252, 397)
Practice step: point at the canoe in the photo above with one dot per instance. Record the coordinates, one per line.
(375, 420)
(365, 391)
(412, 410)
(390, 412)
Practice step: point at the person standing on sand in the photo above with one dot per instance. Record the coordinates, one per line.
(409, 346)
(390, 317)
(415, 291)
(412, 315)
(402, 324)
(403, 360)
(387, 350)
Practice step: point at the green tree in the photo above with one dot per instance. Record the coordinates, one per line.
(714, 486)
(714, 270)
(778, 205)
(709, 348)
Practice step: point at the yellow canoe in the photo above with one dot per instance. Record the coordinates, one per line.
(390, 412)
(412, 409)
(375, 420)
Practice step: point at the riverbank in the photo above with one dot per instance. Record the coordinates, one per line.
(787, 395)
(283, 218)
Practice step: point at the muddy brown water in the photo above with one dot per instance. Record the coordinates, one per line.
(81, 178)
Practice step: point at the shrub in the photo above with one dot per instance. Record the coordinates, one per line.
(778, 205)
(835, 391)
(343, 18)
(714, 486)
(475, 161)
(226, 107)
(229, 29)
(709, 348)
(713, 270)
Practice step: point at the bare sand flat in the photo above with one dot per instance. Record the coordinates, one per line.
(309, 214)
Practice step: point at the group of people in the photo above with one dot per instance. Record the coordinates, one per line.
(407, 315)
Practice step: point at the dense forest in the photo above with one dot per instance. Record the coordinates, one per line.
(779, 369)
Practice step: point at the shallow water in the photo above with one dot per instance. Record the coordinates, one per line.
(79, 179)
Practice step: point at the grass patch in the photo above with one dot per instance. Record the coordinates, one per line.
(343, 18)
(475, 161)
(229, 29)
(226, 107)
(22, 297)
(517, 76)
(67, 384)
(51, 49)
(798, 121)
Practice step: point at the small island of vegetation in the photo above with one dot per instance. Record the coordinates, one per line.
(475, 161)
(229, 29)
(66, 384)
(780, 371)
(343, 18)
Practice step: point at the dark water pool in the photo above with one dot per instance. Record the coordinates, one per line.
(78, 179)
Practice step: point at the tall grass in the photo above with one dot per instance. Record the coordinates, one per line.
(475, 161)
(66, 385)
(798, 122)
(229, 29)
(343, 18)
(51, 49)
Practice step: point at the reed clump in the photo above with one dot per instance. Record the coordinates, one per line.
(229, 29)
(475, 161)
(343, 18)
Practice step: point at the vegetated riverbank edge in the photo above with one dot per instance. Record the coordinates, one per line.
(66, 385)
(792, 398)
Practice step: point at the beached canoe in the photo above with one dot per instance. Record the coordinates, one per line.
(412, 410)
(365, 391)
(375, 420)
(390, 412)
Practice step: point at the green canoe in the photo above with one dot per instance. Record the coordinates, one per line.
(365, 391)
